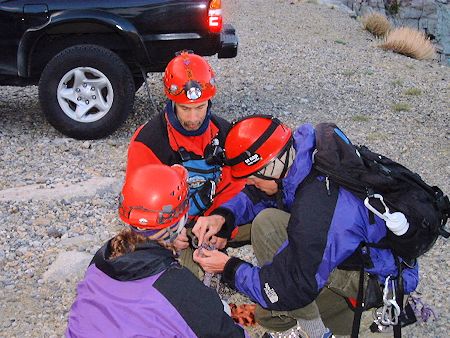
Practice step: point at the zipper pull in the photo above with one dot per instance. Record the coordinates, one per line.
(327, 184)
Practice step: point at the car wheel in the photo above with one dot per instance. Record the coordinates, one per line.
(86, 91)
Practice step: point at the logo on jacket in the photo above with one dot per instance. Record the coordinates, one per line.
(252, 159)
(270, 293)
(196, 181)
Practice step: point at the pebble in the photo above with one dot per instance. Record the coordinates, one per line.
(86, 145)
(53, 232)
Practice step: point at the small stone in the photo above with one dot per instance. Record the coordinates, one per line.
(41, 221)
(86, 145)
(53, 232)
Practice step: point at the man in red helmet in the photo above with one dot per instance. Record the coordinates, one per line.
(306, 235)
(188, 133)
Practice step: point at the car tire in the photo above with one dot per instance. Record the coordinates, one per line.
(86, 92)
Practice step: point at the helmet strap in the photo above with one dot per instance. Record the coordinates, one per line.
(287, 163)
(286, 153)
(173, 120)
(166, 234)
(174, 234)
(146, 233)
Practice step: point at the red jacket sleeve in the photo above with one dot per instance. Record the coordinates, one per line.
(139, 154)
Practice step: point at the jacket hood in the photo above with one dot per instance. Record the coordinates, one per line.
(148, 259)
(304, 145)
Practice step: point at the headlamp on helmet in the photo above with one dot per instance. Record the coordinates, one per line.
(189, 78)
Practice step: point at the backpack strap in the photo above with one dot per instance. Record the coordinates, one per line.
(359, 309)
(442, 204)
(399, 294)
(223, 126)
(399, 289)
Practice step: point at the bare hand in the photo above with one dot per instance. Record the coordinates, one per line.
(206, 227)
(218, 242)
(211, 261)
(182, 241)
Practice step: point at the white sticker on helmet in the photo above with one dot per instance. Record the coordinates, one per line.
(255, 158)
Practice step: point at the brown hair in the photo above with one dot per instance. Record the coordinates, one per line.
(125, 242)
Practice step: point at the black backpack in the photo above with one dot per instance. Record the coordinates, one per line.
(366, 173)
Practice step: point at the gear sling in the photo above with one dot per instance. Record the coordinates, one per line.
(369, 175)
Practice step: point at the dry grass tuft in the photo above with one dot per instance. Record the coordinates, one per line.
(409, 42)
(413, 91)
(376, 23)
(401, 107)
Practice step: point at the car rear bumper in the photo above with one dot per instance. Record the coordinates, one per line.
(228, 42)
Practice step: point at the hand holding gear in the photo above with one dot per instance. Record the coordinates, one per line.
(211, 261)
(218, 242)
(206, 227)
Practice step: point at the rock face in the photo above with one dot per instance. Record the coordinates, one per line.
(430, 16)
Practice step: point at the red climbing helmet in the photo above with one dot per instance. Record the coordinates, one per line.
(189, 79)
(255, 141)
(155, 196)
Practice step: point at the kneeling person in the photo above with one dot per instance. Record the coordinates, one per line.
(134, 286)
(306, 232)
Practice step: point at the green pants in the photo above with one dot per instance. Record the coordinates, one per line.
(268, 234)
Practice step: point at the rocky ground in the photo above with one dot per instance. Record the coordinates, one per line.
(301, 61)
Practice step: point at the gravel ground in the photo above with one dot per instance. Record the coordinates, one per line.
(300, 61)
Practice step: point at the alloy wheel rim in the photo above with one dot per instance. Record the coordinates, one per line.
(85, 94)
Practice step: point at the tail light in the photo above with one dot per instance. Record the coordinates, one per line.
(215, 16)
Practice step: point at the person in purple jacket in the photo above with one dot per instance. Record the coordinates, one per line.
(134, 286)
(306, 234)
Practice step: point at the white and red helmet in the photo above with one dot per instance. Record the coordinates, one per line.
(189, 79)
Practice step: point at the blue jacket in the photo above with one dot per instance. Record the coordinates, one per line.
(325, 228)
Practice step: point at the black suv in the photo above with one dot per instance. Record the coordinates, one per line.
(90, 56)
